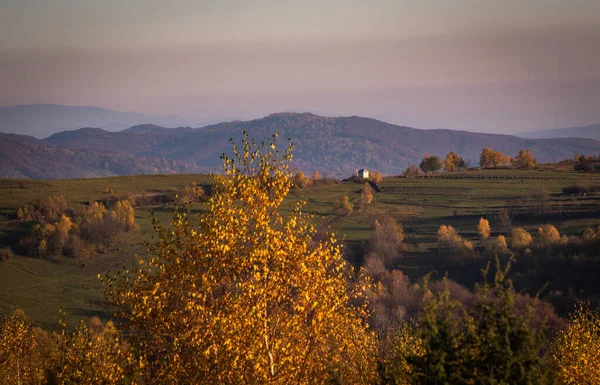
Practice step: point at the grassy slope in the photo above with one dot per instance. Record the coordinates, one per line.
(421, 205)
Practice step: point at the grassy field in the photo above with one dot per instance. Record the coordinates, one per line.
(420, 205)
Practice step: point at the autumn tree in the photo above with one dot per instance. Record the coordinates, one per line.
(301, 181)
(576, 350)
(124, 214)
(454, 244)
(93, 354)
(412, 171)
(377, 178)
(521, 239)
(20, 358)
(346, 205)
(548, 236)
(386, 240)
(490, 158)
(189, 194)
(407, 343)
(431, 164)
(244, 294)
(366, 194)
(316, 175)
(525, 159)
(47, 209)
(453, 162)
(499, 246)
(483, 227)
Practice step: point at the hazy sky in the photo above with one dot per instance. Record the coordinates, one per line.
(480, 65)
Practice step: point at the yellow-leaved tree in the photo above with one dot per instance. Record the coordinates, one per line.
(20, 359)
(576, 350)
(243, 294)
(483, 227)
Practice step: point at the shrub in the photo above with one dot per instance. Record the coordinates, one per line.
(77, 248)
(503, 220)
(347, 206)
(589, 234)
(6, 253)
(579, 187)
(499, 246)
(187, 195)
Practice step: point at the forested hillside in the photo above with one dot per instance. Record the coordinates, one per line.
(335, 146)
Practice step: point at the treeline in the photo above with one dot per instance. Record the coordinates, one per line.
(587, 163)
(77, 233)
(488, 159)
(301, 181)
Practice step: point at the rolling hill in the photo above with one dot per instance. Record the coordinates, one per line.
(25, 157)
(591, 132)
(334, 145)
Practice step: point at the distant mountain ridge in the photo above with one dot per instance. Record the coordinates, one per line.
(25, 157)
(591, 132)
(43, 120)
(333, 145)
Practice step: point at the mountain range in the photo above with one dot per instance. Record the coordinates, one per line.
(592, 132)
(42, 120)
(336, 146)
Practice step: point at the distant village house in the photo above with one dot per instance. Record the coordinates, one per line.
(362, 173)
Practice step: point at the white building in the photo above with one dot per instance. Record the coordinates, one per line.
(362, 173)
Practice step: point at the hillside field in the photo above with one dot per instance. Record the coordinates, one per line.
(40, 286)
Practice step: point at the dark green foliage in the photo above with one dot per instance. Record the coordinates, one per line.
(491, 342)
(509, 349)
(443, 336)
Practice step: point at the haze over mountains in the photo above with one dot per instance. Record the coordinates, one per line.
(42, 120)
(592, 132)
(336, 146)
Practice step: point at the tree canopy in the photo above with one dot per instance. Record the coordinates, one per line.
(243, 294)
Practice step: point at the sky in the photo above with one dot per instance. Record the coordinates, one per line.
(479, 65)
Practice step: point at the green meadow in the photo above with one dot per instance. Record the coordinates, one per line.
(420, 205)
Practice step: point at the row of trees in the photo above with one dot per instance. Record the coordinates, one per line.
(57, 232)
(488, 159)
